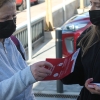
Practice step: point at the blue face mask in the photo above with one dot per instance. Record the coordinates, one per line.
(95, 17)
(7, 28)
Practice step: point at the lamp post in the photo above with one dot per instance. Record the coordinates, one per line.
(29, 30)
(64, 9)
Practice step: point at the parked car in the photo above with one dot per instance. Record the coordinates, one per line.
(71, 30)
(21, 4)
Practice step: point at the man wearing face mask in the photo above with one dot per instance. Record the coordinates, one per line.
(87, 67)
(16, 77)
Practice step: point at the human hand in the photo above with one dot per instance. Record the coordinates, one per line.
(39, 71)
(93, 88)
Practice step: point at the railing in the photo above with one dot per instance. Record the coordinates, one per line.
(37, 27)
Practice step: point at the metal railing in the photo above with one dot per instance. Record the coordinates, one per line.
(37, 27)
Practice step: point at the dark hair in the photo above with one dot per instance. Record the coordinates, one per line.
(88, 40)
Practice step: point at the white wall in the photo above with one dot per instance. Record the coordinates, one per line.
(58, 13)
(86, 2)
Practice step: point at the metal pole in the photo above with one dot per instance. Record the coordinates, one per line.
(59, 55)
(64, 9)
(29, 30)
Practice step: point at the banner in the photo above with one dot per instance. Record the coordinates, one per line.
(61, 66)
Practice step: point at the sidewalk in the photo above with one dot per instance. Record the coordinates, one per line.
(43, 51)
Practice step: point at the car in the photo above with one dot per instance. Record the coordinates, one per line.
(71, 30)
(21, 4)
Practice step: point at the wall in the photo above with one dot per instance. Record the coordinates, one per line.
(71, 10)
(58, 16)
(41, 1)
(86, 3)
(58, 12)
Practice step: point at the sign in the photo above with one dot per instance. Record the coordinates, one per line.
(62, 66)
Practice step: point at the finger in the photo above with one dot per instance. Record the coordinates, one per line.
(95, 92)
(45, 63)
(92, 90)
(90, 86)
(44, 70)
(97, 88)
(42, 75)
(88, 81)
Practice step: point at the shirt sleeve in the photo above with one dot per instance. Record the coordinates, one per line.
(14, 83)
(13, 86)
